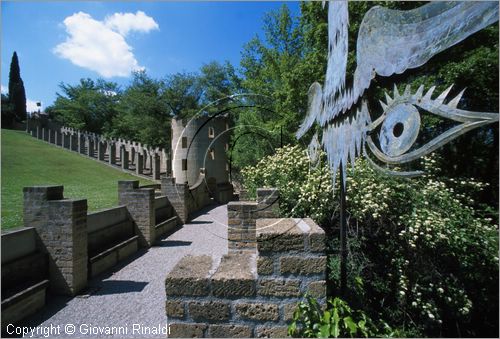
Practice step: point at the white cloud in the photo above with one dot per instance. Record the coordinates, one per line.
(4, 89)
(100, 45)
(123, 23)
(31, 106)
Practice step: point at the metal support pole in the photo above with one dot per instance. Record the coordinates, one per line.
(343, 237)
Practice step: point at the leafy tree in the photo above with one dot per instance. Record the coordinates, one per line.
(8, 114)
(17, 94)
(183, 92)
(90, 105)
(143, 112)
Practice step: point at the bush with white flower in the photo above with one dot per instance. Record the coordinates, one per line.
(423, 254)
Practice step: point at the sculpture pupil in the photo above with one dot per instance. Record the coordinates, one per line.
(398, 129)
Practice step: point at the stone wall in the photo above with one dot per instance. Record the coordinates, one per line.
(253, 290)
(62, 245)
(153, 161)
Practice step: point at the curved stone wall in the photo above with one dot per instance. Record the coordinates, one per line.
(200, 143)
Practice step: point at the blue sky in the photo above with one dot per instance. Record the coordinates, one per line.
(65, 41)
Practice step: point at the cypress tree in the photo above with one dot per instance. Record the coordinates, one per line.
(17, 94)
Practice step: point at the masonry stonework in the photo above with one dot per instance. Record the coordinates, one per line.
(140, 204)
(61, 226)
(250, 292)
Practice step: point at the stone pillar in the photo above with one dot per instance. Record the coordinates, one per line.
(145, 158)
(44, 133)
(140, 203)
(178, 195)
(90, 149)
(156, 166)
(268, 203)
(112, 153)
(38, 132)
(81, 144)
(241, 229)
(124, 157)
(138, 163)
(101, 150)
(62, 228)
(132, 153)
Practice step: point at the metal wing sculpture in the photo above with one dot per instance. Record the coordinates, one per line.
(390, 42)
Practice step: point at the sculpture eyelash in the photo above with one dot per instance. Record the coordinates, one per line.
(400, 104)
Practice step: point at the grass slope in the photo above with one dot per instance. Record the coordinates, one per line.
(27, 161)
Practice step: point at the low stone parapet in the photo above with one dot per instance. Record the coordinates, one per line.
(248, 293)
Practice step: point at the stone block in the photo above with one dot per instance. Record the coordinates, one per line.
(302, 265)
(190, 277)
(265, 265)
(235, 276)
(209, 311)
(269, 287)
(229, 331)
(174, 308)
(183, 330)
(258, 311)
(279, 235)
(317, 289)
(271, 331)
(288, 310)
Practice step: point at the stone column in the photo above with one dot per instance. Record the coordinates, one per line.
(156, 166)
(44, 133)
(62, 228)
(140, 203)
(132, 153)
(241, 229)
(145, 158)
(101, 149)
(38, 132)
(124, 157)
(138, 163)
(81, 144)
(90, 149)
(268, 203)
(112, 153)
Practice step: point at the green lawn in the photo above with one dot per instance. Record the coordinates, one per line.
(27, 161)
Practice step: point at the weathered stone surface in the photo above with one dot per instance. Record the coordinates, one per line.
(317, 289)
(190, 276)
(288, 310)
(271, 332)
(279, 235)
(303, 265)
(182, 330)
(316, 236)
(229, 331)
(210, 310)
(235, 276)
(174, 308)
(278, 287)
(258, 311)
(265, 265)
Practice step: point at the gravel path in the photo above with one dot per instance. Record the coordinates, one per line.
(134, 292)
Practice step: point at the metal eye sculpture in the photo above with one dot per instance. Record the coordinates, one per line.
(390, 42)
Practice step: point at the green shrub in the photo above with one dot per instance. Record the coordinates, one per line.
(423, 254)
(337, 320)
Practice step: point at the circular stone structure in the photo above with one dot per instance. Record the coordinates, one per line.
(200, 144)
